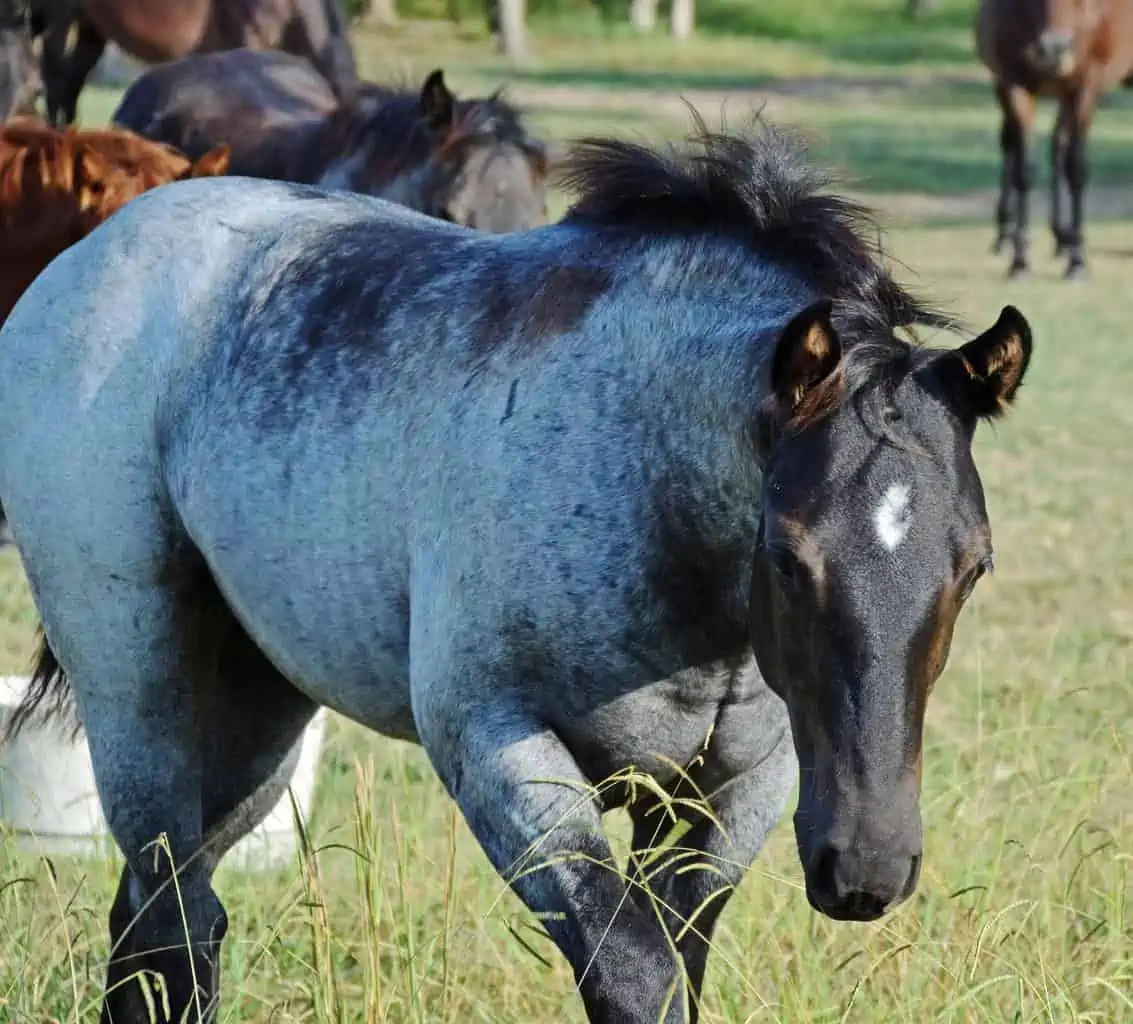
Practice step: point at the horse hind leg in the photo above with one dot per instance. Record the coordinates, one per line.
(251, 721)
(137, 624)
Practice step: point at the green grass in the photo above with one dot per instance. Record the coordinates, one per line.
(1024, 911)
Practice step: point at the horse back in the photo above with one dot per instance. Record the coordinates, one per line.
(264, 105)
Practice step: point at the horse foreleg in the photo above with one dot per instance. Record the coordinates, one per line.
(70, 53)
(1059, 147)
(1081, 115)
(691, 881)
(1018, 173)
(526, 802)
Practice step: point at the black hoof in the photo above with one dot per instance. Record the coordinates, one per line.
(1018, 269)
(1076, 272)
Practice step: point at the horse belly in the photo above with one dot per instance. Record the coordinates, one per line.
(312, 572)
(151, 30)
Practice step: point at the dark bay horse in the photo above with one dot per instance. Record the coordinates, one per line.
(1070, 50)
(659, 485)
(468, 161)
(75, 33)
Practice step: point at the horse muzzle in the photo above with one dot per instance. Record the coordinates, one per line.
(1053, 54)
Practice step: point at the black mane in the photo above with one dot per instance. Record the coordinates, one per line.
(760, 189)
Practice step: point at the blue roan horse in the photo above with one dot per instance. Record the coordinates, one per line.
(656, 486)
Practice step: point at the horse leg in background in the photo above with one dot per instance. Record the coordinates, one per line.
(528, 805)
(1081, 113)
(691, 881)
(319, 32)
(1018, 108)
(65, 69)
(251, 756)
(1059, 146)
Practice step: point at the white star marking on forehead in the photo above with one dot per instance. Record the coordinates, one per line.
(892, 518)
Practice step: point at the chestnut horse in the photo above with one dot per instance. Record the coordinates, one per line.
(468, 161)
(1071, 50)
(57, 186)
(156, 31)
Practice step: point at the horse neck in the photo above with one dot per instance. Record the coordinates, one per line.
(707, 319)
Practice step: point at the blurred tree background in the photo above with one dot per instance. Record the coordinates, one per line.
(775, 18)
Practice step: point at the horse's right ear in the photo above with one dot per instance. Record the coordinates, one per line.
(438, 104)
(214, 162)
(807, 353)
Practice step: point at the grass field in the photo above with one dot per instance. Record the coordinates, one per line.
(1025, 911)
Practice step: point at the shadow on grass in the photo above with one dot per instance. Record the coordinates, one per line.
(943, 160)
(858, 31)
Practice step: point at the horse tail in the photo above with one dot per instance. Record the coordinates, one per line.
(47, 697)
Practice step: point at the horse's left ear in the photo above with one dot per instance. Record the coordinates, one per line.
(438, 104)
(984, 375)
(213, 163)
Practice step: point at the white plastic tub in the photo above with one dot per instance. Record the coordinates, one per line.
(48, 801)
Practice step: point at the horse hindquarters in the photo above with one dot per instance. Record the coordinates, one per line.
(189, 726)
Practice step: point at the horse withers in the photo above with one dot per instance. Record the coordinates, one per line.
(470, 161)
(1070, 50)
(660, 487)
(75, 34)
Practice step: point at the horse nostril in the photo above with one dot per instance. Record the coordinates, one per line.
(825, 872)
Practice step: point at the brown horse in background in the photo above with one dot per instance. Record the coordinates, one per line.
(57, 186)
(467, 161)
(156, 31)
(1071, 50)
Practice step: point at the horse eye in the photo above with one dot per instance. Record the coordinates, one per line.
(891, 415)
(975, 574)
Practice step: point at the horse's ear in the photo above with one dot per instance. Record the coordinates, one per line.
(983, 376)
(91, 171)
(438, 104)
(807, 353)
(213, 163)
